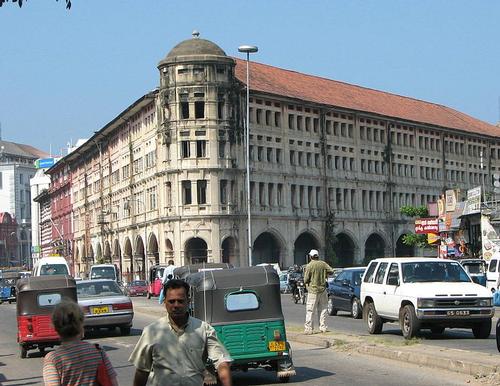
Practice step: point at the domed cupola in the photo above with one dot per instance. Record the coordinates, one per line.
(194, 49)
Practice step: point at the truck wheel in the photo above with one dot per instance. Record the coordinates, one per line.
(373, 321)
(410, 325)
(284, 379)
(331, 310)
(482, 329)
(356, 308)
(24, 351)
(498, 335)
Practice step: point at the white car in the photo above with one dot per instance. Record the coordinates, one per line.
(423, 293)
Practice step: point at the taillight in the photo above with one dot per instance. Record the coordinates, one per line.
(122, 306)
(30, 324)
(277, 335)
(86, 310)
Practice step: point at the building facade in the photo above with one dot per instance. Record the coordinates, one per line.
(330, 163)
(16, 169)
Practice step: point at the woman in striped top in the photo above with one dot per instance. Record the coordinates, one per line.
(74, 362)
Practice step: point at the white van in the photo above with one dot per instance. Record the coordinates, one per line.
(53, 265)
(492, 274)
(104, 271)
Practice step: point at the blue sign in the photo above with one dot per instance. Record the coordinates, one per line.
(45, 163)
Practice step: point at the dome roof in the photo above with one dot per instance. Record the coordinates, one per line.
(195, 46)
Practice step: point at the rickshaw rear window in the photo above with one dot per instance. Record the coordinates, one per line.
(45, 300)
(242, 301)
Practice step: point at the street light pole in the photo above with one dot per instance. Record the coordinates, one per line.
(248, 50)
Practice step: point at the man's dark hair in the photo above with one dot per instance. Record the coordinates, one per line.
(174, 284)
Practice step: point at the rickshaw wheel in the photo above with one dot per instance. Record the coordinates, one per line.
(125, 330)
(284, 379)
(24, 352)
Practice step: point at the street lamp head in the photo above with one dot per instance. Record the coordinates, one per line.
(248, 49)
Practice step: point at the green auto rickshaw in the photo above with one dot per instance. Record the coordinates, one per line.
(244, 307)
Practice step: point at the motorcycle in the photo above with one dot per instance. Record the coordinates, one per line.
(299, 292)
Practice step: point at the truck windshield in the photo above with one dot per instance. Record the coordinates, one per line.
(103, 273)
(419, 272)
(54, 269)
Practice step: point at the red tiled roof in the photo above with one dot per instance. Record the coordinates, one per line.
(278, 81)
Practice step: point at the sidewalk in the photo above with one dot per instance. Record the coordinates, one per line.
(483, 366)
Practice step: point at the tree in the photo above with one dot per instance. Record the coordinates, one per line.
(20, 3)
(413, 239)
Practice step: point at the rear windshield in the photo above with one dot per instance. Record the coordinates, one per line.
(474, 267)
(242, 301)
(103, 273)
(138, 283)
(54, 269)
(97, 289)
(420, 272)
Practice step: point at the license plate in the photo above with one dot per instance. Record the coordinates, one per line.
(277, 346)
(100, 310)
(458, 313)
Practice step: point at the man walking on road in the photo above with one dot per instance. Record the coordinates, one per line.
(315, 278)
(173, 350)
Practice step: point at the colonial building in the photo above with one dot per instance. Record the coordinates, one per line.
(16, 169)
(329, 160)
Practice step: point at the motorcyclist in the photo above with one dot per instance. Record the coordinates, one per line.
(295, 274)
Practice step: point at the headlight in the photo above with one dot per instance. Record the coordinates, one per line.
(426, 303)
(485, 302)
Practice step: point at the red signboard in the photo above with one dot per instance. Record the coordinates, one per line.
(426, 225)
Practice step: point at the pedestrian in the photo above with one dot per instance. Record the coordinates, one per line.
(74, 362)
(315, 279)
(174, 350)
(168, 274)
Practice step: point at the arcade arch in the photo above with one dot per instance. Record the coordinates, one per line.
(266, 249)
(303, 244)
(344, 250)
(195, 251)
(403, 250)
(374, 248)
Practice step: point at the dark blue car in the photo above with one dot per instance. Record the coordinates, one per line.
(343, 292)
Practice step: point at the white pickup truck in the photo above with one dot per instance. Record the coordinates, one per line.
(422, 293)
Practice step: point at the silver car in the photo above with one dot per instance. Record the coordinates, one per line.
(105, 305)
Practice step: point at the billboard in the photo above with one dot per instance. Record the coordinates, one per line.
(426, 225)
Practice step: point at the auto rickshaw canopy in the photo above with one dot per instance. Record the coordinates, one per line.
(211, 291)
(38, 295)
(185, 270)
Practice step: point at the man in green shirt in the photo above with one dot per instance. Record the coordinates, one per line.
(317, 298)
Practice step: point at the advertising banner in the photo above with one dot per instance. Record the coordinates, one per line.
(489, 239)
(426, 225)
(473, 203)
(451, 200)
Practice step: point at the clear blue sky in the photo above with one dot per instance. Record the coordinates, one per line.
(65, 74)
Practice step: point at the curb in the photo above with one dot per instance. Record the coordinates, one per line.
(438, 359)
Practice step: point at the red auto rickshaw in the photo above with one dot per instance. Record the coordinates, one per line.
(155, 283)
(36, 299)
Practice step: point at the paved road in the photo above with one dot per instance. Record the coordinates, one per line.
(452, 338)
(314, 366)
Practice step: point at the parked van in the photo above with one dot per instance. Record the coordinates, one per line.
(53, 265)
(492, 274)
(104, 271)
